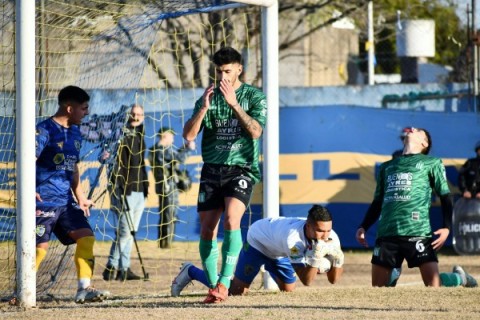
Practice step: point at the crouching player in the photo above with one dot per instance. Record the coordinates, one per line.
(286, 247)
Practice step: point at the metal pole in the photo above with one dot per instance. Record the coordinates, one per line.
(469, 58)
(126, 211)
(271, 185)
(42, 55)
(25, 147)
(475, 58)
(370, 45)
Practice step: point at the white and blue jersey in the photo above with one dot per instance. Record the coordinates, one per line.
(278, 244)
(57, 152)
(282, 237)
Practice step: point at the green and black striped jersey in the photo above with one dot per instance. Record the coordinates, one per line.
(405, 185)
(224, 140)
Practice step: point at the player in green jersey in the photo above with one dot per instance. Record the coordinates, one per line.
(401, 204)
(232, 117)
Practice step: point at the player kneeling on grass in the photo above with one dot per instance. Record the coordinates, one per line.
(401, 205)
(286, 247)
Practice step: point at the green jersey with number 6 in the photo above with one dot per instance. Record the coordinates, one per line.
(224, 140)
(404, 185)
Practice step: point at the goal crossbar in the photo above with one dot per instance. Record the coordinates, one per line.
(263, 3)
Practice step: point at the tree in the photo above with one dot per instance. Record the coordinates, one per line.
(188, 42)
(450, 34)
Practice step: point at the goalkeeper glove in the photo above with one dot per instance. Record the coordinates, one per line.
(336, 256)
(320, 249)
(325, 265)
(313, 256)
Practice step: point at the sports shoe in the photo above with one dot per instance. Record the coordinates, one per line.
(90, 294)
(109, 273)
(467, 280)
(394, 276)
(127, 275)
(217, 294)
(181, 280)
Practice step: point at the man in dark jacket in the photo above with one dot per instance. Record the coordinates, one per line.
(165, 160)
(128, 189)
(469, 176)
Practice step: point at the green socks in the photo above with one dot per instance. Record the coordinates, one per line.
(209, 255)
(450, 279)
(232, 244)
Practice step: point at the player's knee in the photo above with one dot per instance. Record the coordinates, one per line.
(238, 288)
(237, 291)
(435, 283)
(81, 233)
(288, 287)
(307, 283)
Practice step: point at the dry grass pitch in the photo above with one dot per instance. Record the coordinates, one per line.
(352, 298)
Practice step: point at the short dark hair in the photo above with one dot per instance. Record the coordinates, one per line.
(163, 130)
(227, 55)
(72, 94)
(477, 146)
(318, 213)
(429, 140)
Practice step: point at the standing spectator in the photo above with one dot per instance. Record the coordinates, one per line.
(58, 142)
(165, 161)
(402, 203)
(287, 247)
(128, 191)
(469, 176)
(232, 117)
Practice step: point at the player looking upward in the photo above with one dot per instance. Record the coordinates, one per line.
(401, 204)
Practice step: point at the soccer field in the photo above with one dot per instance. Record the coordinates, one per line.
(352, 298)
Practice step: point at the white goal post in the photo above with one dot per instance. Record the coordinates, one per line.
(270, 83)
(25, 147)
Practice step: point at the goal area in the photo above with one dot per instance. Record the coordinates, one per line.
(153, 53)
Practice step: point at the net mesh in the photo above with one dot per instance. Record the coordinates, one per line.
(153, 53)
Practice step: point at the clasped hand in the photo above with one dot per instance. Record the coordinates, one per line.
(321, 249)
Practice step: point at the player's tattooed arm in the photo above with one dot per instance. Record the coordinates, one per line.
(253, 128)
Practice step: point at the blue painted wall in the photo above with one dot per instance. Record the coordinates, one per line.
(330, 154)
(332, 140)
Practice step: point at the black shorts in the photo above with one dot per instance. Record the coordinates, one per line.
(391, 251)
(218, 182)
(60, 221)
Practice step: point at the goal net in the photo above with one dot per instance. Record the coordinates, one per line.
(153, 53)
